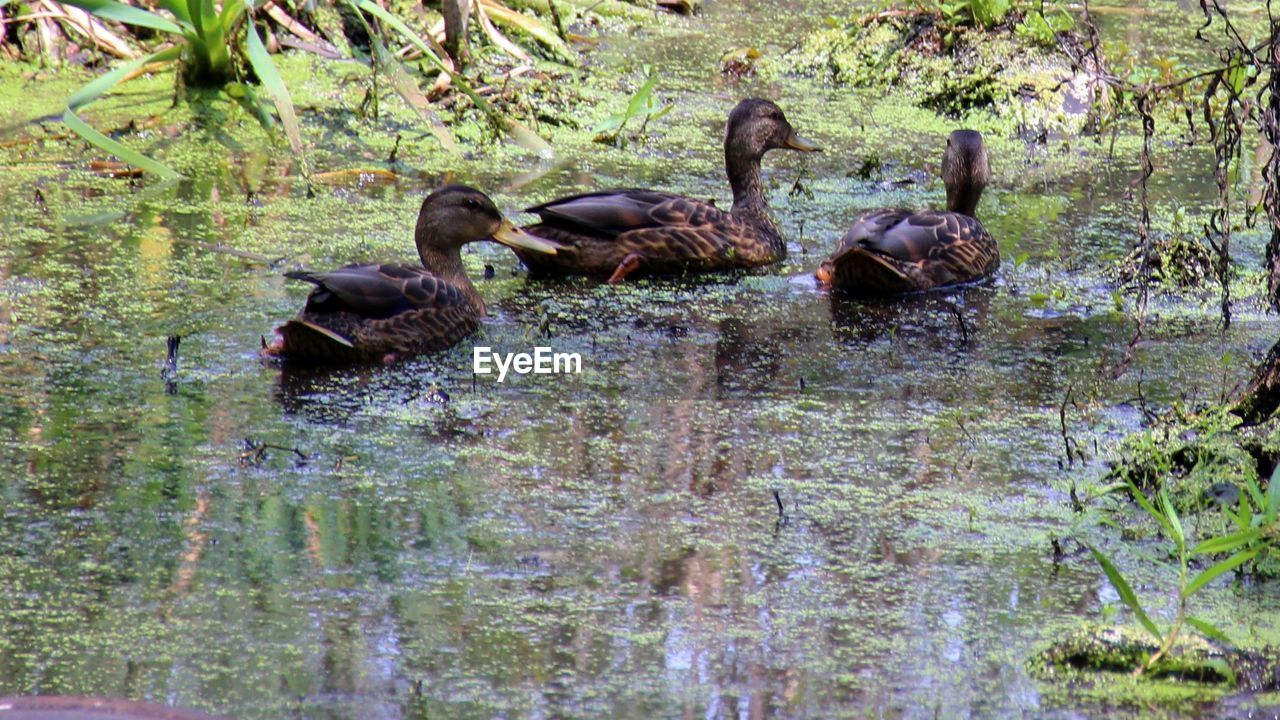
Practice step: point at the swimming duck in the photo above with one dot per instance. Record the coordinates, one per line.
(890, 252)
(370, 312)
(617, 232)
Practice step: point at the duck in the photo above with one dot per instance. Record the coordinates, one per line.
(388, 311)
(893, 252)
(615, 233)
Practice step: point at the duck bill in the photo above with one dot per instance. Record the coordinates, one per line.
(513, 237)
(795, 142)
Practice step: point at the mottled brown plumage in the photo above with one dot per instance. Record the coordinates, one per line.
(890, 252)
(384, 311)
(616, 232)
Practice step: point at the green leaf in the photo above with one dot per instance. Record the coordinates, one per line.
(609, 125)
(1209, 574)
(523, 136)
(273, 86)
(1126, 593)
(1142, 500)
(1272, 506)
(102, 142)
(404, 84)
(1174, 524)
(127, 14)
(1207, 630)
(1227, 543)
(178, 8)
(249, 100)
(95, 90)
(1235, 78)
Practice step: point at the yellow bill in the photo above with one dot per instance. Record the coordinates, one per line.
(795, 142)
(511, 236)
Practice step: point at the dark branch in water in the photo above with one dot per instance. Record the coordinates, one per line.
(170, 371)
(1261, 398)
(256, 452)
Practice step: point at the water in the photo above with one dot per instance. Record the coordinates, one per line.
(607, 544)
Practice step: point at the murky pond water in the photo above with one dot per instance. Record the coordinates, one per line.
(754, 501)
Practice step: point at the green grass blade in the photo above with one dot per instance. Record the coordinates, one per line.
(273, 86)
(403, 83)
(95, 90)
(1227, 543)
(230, 15)
(1140, 498)
(640, 101)
(1272, 507)
(1127, 596)
(1207, 630)
(127, 14)
(1175, 524)
(1209, 574)
(532, 27)
(99, 86)
(178, 8)
(102, 142)
(523, 136)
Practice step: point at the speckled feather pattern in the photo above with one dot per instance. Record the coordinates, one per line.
(674, 234)
(381, 309)
(896, 251)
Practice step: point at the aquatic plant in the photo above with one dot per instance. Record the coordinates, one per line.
(207, 44)
(1256, 533)
(642, 105)
(955, 57)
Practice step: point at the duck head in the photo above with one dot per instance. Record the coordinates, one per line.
(456, 215)
(966, 170)
(757, 126)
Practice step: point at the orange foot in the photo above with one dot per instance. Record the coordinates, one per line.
(823, 274)
(625, 268)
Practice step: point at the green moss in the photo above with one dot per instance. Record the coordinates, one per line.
(1019, 80)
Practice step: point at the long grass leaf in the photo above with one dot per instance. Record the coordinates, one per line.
(1175, 524)
(1127, 596)
(1272, 507)
(127, 14)
(403, 83)
(95, 90)
(1227, 543)
(1210, 573)
(102, 142)
(530, 26)
(1209, 631)
(1140, 498)
(100, 85)
(640, 101)
(273, 86)
(523, 136)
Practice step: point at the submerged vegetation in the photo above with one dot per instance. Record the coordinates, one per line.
(956, 57)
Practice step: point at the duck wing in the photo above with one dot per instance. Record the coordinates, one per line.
(611, 213)
(949, 241)
(377, 291)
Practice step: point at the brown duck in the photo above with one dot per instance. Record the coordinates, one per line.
(617, 232)
(383, 312)
(890, 252)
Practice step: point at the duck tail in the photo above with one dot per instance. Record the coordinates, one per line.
(305, 341)
(865, 272)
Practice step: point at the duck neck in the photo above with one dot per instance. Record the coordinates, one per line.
(447, 264)
(749, 205)
(964, 198)
(744, 177)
